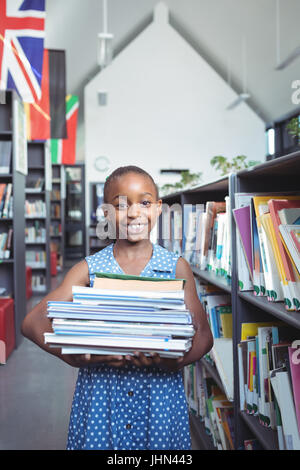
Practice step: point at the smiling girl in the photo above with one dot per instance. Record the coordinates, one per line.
(128, 402)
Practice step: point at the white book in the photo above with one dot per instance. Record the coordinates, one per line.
(284, 395)
(93, 292)
(265, 407)
(119, 342)
(99, 351)
(223, 357)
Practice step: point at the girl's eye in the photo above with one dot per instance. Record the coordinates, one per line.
(145, 203)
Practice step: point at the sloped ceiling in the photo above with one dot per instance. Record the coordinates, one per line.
(216, 28)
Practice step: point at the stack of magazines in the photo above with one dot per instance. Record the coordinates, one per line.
(121, 315)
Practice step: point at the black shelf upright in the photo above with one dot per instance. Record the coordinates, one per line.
(12, 270)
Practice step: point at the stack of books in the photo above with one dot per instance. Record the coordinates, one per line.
(123, 314)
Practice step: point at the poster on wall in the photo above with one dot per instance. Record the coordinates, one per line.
(20, 138)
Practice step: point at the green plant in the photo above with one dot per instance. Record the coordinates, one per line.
(293, 127)
(225, 166)
(187, 179)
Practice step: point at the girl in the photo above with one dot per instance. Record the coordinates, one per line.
(128, 402)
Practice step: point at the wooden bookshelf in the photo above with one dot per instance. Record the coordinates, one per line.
(278, 175)
(57, 208)
(38, 169)
(12, 270)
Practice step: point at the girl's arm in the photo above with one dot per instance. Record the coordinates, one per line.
(203, 339)
(36, 322)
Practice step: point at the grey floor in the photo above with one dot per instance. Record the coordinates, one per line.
(36, 391)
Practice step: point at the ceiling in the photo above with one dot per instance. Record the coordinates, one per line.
(216, 28)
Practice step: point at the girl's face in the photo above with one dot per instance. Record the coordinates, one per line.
(135, 207)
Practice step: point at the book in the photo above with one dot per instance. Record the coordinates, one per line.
(290, 235)
(212, 209)
(245, 280)
(283, 391)
(130, 282)
(242, 217)
(5, 156)
(223, 357)
(295, 374)
(292, 299)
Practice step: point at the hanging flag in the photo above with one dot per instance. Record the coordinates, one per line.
(22, 33)
(46, 118)
(64, 150)
(38, 114)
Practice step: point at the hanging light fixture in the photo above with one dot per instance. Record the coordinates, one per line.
(105, 41)
(244, 96)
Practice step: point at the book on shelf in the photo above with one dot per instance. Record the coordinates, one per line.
(6, 244)
(35, 209)
(6, 200)
(35, 259)
(38, 283)
(265, 264)
(35, 185)
(5, 156)
(121, 321)
(269, 379)
(210, 405)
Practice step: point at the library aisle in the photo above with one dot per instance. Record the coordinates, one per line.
(36, 392)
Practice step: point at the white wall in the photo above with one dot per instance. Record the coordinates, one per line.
(166, 108)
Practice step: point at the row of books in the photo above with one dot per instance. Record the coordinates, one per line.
(268, 246)
(35, 185)
(55, 194)
(6, 244)
(55, 211)
(35, 209)
(6, 201)
(269, 374)
(36, 233)
(123, 314)
(55, 229)
(5, 156)
(217, 305)
(35, 259)
(210, 404)
(207, 241)
(38, 283)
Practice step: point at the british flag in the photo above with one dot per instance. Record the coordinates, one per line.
(22, 33)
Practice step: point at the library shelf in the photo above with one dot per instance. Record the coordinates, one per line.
(212, 370)
(204, 440)
(12, 270)
(58, 199)
(212, 278)
(266, 436)
(274, 308)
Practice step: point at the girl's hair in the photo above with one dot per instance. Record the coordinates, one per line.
(124, 170)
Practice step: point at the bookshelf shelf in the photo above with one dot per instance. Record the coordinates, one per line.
(58, 202)
(12, 270)
(274, 308)
(213, 373)
(38, 177)
(212, 278)
(266, 436)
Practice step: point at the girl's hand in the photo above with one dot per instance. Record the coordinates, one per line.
(85, 360)
(140, 360)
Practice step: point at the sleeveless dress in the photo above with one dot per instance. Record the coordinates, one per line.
(129, 408)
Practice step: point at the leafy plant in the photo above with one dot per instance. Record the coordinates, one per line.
(293, 127)
(225, 166)
(187, 179)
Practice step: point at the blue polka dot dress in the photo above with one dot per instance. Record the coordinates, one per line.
(129, 408)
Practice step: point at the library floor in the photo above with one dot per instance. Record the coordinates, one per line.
(36, 392)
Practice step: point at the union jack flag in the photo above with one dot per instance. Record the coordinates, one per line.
(22, 33)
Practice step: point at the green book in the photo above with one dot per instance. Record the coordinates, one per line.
(130, 277)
